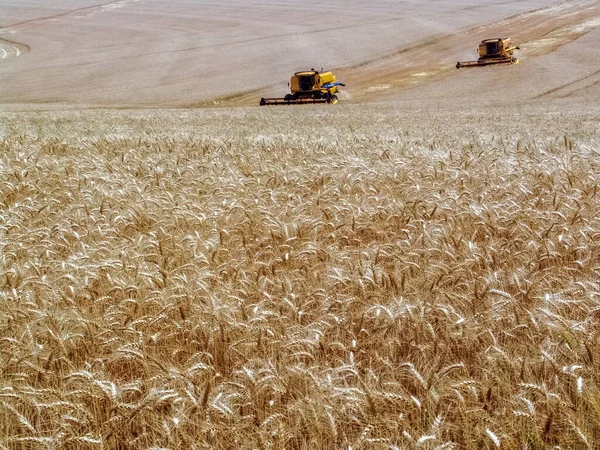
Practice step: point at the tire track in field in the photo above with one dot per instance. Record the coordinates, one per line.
(572, 84)
(560, 36)
(73, 14)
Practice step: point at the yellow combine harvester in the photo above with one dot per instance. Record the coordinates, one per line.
(308, 87)
(493, 51)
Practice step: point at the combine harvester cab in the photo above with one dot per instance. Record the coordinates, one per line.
(493, 51)
(308, 87)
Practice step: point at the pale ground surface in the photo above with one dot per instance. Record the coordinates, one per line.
(184, 53)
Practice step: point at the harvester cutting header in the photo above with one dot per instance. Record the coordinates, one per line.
(308, 87)
(493, 51)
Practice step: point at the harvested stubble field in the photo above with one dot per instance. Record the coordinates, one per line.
(253, 279)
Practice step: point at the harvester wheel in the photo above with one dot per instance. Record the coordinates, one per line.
(333, 99)
(262, 102)
(288, 97)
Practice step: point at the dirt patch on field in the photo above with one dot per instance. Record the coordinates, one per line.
(559, 37)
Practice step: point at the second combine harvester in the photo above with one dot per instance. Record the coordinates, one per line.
(311, 86)
(493, 51)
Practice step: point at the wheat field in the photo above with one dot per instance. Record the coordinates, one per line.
(302, 278)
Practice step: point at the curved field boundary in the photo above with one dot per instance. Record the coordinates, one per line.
(10, 49)
(75, 13)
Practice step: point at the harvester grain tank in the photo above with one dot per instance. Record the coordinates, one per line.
(493, 51)
(310, 86)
